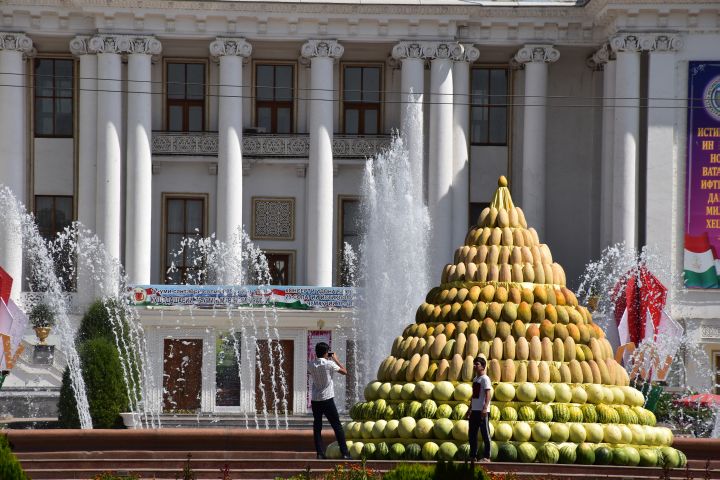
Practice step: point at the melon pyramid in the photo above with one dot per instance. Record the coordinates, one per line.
(559, 395)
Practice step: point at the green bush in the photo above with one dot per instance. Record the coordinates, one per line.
(10, 468)
(410, 471)
(102, 371)
(458, 471)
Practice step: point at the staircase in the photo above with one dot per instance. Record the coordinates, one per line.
(272, 464)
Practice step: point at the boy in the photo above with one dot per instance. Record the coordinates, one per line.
(322, 399)
(479, 410)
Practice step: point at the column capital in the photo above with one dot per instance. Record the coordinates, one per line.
(16, 41)
(123, 44)
(322, 48)
(600, 57)
(536, 54)
(404, 50)
(230, 46)
(443, 51)
(470, 54)
(80, 45)
(646, 41)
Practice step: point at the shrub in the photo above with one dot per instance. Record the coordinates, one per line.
(410, 471)
(42, 316)
(10, 468)
(458, 471)
(96, 322)
(67, 406)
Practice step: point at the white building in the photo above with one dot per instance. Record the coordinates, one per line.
(148, 121)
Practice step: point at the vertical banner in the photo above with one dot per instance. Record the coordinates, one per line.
(701, 266)
(314, 337)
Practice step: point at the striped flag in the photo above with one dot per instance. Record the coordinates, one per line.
(701, 268)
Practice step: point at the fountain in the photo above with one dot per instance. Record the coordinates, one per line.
(559, 394)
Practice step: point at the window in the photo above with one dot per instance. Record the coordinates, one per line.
(53, 213)
(489, 109)
(274, 95)
(184, 220)
(185, 100)
(282, 267)
(361, 99)
(53, 97)
(350, 233)
(227, 369)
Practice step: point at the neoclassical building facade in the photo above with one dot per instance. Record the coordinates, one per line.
(152, 121)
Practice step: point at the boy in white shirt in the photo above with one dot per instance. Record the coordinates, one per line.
(479, 410)
(322, 398)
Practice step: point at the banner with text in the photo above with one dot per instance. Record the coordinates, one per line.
(701, 264)
(207, 296)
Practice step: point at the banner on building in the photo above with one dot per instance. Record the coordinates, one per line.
(702, 197)
(314, 337)
(207, 296)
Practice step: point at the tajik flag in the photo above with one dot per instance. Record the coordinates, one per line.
(701, 268)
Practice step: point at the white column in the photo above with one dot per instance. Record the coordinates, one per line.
(13, 141)
(461, 162)
(661, 169)
(535, 58)
(138, 224)
(87, 131)
(604, 59)
(320, 199)
(109, 150)
(412, 88)
(626, 138)
(440, 155)
(231, 52)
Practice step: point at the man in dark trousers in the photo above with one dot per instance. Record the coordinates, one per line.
(479, 410)
(322, 399)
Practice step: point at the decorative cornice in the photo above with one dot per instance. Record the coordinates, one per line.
(16, 41)
(470, 54)
(233, 46)
(443, 51)
(536, 54)
(322, 48)
(108, 43)
(646, 41)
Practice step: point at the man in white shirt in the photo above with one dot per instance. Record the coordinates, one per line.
(322, 399)
(479, 410)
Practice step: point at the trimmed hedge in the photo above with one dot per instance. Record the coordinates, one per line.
(10, 468)
(101, 370)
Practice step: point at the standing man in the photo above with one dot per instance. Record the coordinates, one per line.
(479, 410)
(321, 370)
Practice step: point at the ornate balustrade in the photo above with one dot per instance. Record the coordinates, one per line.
(266, 145)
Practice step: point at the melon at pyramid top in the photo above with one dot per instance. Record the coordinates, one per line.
(559, 395)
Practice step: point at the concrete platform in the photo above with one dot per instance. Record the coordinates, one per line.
(262, 454)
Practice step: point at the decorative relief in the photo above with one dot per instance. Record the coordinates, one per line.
(405, 50)
(230, 46)
(470, 54)
(537, 54)
(649, 42)
(322, 48)
(16, 41)
(710, 331)
(435, 50)
(124, 44)
(80, 45)
(206, 144)
(443, 50)
(273, 218)
(598, 59)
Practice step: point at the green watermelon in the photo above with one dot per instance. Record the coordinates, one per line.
(567, 453)
(356, 450)
(459, 411)
(670, 457)
(494, 412)
(548, 453)
(648, 457)
(526, 413)
(401, 410)
(368, 450)
(526, 452)
(413, 451)
(494, 450)
(620, 457)
(576, 414)
(633, 456)
(443, 411)
(585, 454)
(442, 428)
(379, 410)
(508, 414)
(389, 413)
(683, 458)
(507, 452)
(413, 409)
(430, 451)
(589, 413)
(560, 412)
(447, 451)
(544, 413)
(428, 409)
(463, 452)
(382, 452)
(603, 456)
(397, 451)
